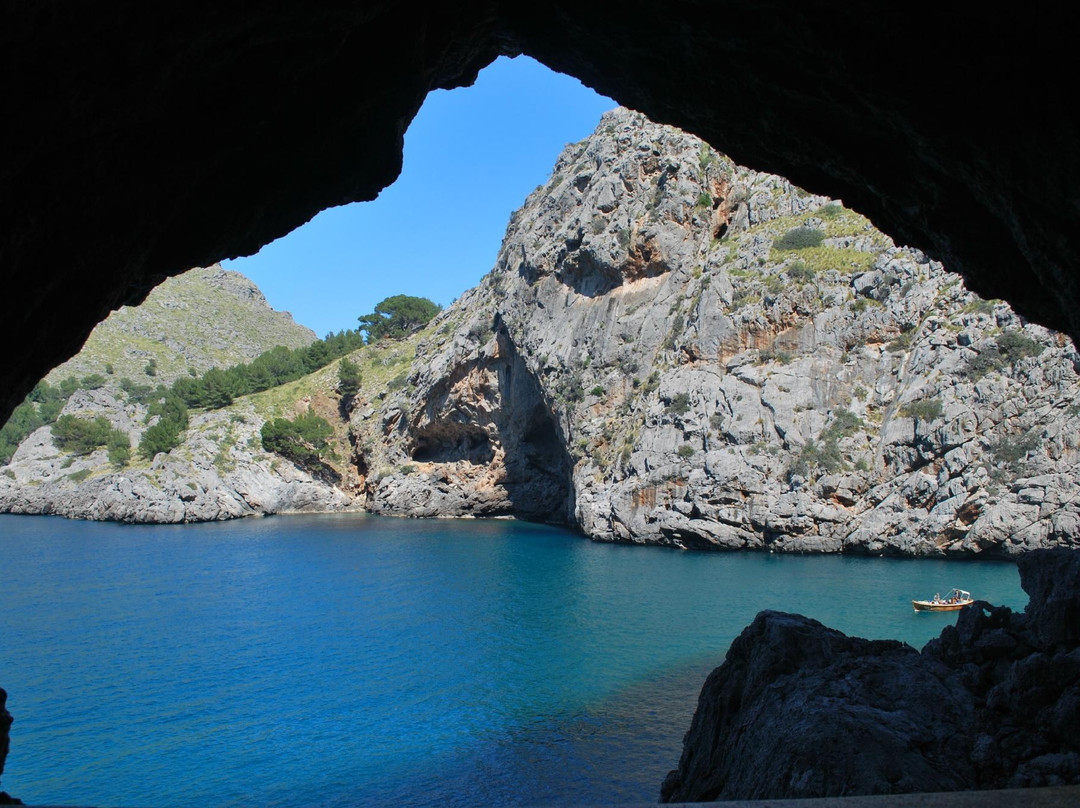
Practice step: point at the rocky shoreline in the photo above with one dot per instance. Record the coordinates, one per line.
(801, 710)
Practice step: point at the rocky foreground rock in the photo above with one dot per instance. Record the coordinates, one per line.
(801, 710)
(5, 742)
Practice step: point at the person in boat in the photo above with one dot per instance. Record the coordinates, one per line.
(937, 597)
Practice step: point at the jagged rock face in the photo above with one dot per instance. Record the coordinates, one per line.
(5, 728)
(835, 732)
(143, 141)
(801, 710)
(481, 442)
(717, 390)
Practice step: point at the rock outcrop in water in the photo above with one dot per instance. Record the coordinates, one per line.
(5, 741)
(801, 710)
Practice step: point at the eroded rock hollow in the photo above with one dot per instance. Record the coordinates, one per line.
(484, 438)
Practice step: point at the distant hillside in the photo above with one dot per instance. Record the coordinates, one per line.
(207, 317)
(74, 448)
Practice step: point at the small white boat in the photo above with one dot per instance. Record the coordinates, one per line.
(957, 599)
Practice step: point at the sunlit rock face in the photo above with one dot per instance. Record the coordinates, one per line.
(479, 436)
(140, 141)
(648, 349)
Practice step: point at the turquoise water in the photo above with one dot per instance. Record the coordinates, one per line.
(354, 660)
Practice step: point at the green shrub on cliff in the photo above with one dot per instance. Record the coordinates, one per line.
(24, 420)
(305, 440)
(348, 378)
(1015, 345)
(119, 447)
(679, 404)
(165, 435)
(398, 316)
(1011, 450)
(83, 435)
(927, 409)
(40, 408)
(799, 238)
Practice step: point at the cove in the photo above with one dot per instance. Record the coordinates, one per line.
(359, 660)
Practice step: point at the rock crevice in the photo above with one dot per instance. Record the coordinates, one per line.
(483, 442)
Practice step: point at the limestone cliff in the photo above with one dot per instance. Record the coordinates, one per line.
(673, 349)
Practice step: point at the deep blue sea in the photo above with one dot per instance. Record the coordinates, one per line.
(358, 660)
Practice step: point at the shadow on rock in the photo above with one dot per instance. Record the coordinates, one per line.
(801, 710)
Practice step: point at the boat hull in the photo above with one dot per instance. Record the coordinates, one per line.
(930, 606)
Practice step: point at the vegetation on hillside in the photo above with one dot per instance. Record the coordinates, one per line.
(217, 388)
(81, 436)
(305, 440)
(349, 378)
(398, 316)
(799, 238)
(166, 434)
(38, 409)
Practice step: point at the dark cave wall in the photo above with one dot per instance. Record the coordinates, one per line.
(141, 140)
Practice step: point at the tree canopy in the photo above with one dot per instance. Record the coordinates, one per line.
(398, 316)
(305, 440)
(348, 377)
(165, 435)
(81, 436)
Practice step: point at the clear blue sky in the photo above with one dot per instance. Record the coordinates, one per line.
(472, 155)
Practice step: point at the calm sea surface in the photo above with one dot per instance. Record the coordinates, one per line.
(353, 660)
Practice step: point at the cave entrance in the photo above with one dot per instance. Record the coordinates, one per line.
(471, 156)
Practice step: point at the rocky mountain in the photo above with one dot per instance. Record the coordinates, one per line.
(670, 349)
(207, 317)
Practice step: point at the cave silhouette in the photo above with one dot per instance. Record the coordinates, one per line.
(143, 140)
